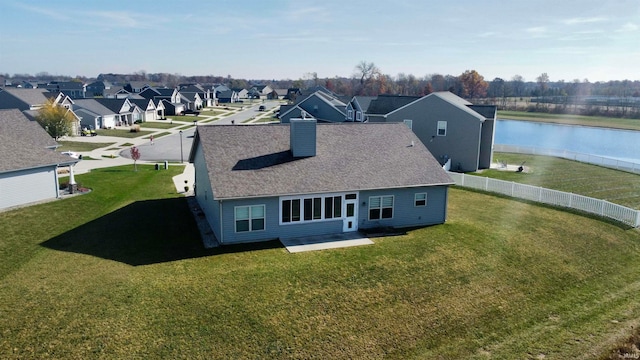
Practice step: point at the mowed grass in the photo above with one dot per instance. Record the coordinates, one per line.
(81, 146)
(158, 125)
(124, 133)
(615, 186)
(120, 273)
(598, 121)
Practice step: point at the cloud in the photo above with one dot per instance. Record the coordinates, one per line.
(628, 27)
(57, 15)
(537, 31)
(589, 20)
(121, 19)
(308, 13)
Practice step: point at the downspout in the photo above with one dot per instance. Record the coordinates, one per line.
(446, 202)
(221, 228)
(57, 183)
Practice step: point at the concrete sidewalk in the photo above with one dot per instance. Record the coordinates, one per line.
(323, 242)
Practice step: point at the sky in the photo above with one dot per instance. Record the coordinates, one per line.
(289, 39)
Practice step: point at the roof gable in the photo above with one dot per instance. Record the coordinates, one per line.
(384, 104)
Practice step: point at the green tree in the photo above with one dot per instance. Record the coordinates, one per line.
(56, 120)
(473, 84)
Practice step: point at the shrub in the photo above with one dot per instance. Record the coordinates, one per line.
(135, 128)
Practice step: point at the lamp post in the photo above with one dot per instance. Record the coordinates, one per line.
(181, 158)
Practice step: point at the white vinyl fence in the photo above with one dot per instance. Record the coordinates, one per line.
(553, 197)
(566, 154)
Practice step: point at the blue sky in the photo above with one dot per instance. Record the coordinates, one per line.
(281, 39)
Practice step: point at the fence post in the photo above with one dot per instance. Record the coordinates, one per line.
(486, 184)
(513, 185)
(637, 218)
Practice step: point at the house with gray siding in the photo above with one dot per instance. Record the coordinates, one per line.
(29, 164)
(264, 182)
(358, 107)
(457, 133)
(319, 105)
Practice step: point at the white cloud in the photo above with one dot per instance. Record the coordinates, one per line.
(628, 27)
(589, 20)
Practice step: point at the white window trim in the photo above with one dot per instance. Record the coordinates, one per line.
(415, 199)
(264, 218)
(358, 116)
(393, 203)
(440, 126)
(409, 123)
(322, 209)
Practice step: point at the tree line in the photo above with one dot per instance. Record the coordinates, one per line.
(368, 79)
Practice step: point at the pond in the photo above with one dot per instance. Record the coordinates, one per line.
(617, 144)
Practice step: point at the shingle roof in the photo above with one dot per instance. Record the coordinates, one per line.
(255, 160)
(385, 104)
(115, 105)
(30, 96)
(364, 101)
(94, 106)
(23, 144)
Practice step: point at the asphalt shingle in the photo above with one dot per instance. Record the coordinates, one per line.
(255, 160)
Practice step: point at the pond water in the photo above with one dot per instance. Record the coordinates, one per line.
(617, 144)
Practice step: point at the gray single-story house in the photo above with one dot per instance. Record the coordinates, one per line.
(265, 182)
(29, 164)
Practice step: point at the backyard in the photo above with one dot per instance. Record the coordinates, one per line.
(120, 273)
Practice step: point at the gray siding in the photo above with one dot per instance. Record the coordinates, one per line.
(462, 142)
(28, 186)
(204, 193)
(302, 136)
(319, 109)
(486, 144)
(405, 213)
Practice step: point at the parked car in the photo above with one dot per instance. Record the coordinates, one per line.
(191, 112)
(72, 154)
(262, 108)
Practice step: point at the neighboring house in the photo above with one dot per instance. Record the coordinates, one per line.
(292, 94)
(314, 179)
(94, 115)
(277, 94)
(31, 100)
(196, 96)
(95, 89)
(28, 165)
(228, 96)
(136, 86)
(127, 112)
(319, 105)
(242, 93)
(170, 108)
(147, 107)
(452, 128)
(264, 90)
(116, 92)
(357, 108)
(253, 93)
(73, 89)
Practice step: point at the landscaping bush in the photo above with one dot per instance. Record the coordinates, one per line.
(135, 128)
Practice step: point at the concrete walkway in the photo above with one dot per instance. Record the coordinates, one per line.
(323, 242)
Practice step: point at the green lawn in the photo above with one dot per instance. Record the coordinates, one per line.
(120, 273)
(81, 146)
(615, 186)
(158, 125)
(599, 121)
(185, 118)
(124, 133)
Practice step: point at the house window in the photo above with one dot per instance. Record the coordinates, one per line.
(249, 218)
(409, 123)
(350, 114)
(380, 207)
(291, 210)
(442, 128)
(311, 209)
(358, 116)
(420, 199)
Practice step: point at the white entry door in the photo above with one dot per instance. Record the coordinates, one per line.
(350, 211)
